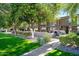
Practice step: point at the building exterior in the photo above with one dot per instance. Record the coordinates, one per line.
(62, 23)
(66, 22)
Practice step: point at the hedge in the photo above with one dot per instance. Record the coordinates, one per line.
(69, 39)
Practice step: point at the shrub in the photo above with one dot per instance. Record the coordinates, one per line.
(45, 39)
(68, 39)
(40, 40)
(63, 39)
(77, 41)
(71, 38)
(27, 34)
(24, 33)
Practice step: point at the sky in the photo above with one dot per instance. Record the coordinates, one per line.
(62, 13)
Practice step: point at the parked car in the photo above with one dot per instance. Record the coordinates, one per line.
(58, 33)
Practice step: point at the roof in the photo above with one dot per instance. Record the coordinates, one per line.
(65, 17)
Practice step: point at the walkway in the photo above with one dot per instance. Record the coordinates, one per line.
(41, 51)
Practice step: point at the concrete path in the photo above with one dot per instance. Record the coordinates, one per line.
(41, 51)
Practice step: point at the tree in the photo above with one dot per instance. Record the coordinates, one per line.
(72, 10)
(39, 13)
(15, 13)
(4, 15)
(51, 11)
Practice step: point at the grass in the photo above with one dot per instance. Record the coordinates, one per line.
(59, 53)
(14, 46)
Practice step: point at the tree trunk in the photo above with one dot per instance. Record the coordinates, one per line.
(39, 27)
(67, 29)
(32, 29)
(14, 29)
(28, 29)
(48, 27)
(32, 26)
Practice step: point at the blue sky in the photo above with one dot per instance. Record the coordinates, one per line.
(62, 13)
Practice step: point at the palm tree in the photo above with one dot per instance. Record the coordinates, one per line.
(72, 10)
(52, 12)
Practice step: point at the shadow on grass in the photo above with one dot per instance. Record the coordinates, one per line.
(14, 46)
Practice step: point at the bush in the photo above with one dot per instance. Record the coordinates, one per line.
(69, 39)
(77, 41)
(63, 40)
(24, 34)
(40, 40)
(45, 39)
(27, 34)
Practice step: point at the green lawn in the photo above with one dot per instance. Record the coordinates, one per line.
(14, 46)
(59, 53)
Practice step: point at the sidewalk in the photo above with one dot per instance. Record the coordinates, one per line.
(41, 51)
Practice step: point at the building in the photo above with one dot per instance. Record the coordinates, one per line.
(62, 23)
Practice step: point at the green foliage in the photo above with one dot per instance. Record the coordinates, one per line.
(63, 40)
(72, 10)
(74, 20)
(14, 46)
(47, 37)
(23, 25)
(41, 40)
(57, 52)
(31, 13)
(70, 39)
(34, 13)
(77, 41)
